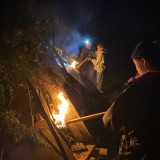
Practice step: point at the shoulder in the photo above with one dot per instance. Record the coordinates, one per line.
(126, 98)
(83, 50)
(105, 53)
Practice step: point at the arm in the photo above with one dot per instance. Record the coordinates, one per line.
(98, 59)
(79, 64)
(107, 118)
(81, 56)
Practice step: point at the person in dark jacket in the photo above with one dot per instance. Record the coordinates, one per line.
(133, 118)
(85, 67)
(85, 52)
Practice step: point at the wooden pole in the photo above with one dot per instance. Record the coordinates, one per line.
(79, 65)
(86, 117)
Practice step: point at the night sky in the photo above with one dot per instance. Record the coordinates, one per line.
(118, 24)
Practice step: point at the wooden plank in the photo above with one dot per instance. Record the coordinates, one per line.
(42, 125)
(79, 130)
(85, 154)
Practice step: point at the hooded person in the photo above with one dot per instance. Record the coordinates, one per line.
(85, 68)
(133, 117)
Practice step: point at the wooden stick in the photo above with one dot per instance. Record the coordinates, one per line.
(79, 65)
(1, 156)
(86, 117)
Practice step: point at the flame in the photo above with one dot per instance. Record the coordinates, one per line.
(59, 118)
(73, 64)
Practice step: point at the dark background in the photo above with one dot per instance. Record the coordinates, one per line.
(119, 24)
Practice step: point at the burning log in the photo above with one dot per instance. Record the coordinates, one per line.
(86, 117)
(65, 133)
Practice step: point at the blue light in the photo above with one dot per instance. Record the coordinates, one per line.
(64, 62)
(87, 41)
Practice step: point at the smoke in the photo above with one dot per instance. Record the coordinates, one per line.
(72, 23)
(69, 41)
(68, 23)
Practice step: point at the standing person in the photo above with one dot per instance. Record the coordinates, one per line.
(133, 118)
(85, 52)
(85, 68)
(98, 63)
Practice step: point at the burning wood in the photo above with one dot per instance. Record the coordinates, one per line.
(74, 63)
(74, 145)
(59, 118)
(78, 146)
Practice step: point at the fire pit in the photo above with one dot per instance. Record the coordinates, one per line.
(80, 149)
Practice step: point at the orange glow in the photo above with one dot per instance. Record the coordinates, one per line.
(59, 118)
(73, 64)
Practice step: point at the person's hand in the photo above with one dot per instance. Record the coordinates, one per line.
(88, 58)
(77, 67)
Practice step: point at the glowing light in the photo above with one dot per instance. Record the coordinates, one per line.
(87, 41)
(59, 118)
(73, 64)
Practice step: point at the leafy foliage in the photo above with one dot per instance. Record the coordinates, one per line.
(22, 47)
(22, 55)
(129, 142)
(17, 133)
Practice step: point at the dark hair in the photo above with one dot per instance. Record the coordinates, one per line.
(100, 45)
(150, 50)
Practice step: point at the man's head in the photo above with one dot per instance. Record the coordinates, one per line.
(100, 47)
(88, 45)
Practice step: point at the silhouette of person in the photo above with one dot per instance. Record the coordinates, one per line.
(133, 117)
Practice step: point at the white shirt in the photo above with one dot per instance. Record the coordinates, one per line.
(99, 61)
